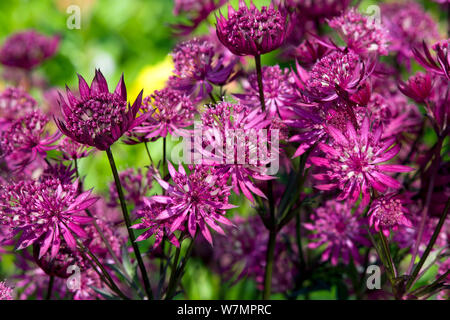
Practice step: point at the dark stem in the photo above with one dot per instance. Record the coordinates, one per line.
(171, 287)
(126, 217)
(163, 164)
(50, 287)
(149, 155)
(269, 264)
(260, 83)
(213, 100)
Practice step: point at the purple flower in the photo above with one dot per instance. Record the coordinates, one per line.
(279, 92)
(14, 103)
(336, 71)
(249, 31)
(310, 51)
(27, 49)
(439, 65)
(196, 10)
(98, 118)
(408, 25)
(388, 212)
(363, 35)
(27, 137)
(318, 10)
(5, 291)
(199, 199)
(72, 150)
(352, 162)
(196, 69)
(159, 228)
(226, 145)
(44, 212)
(339, 230)
(418, 87)
(169, 110)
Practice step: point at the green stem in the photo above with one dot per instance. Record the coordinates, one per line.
(269, 264)
(171, 287)
(260, 83)
(126, 217)
(163, 165)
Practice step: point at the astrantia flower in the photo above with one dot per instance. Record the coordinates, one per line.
(98, 118)
(408, 25)
(5, 291)
(197, 69)
(169, 111)
(249, 31)
(318, 10)
(362, 34)
(334, 226)
(154, 227)
(226, 144)
(196, 11)
(387, 213)
(14, 103)
(44, 212)
(418, 87)
(344, 70)
(439, 65)
(72, 150)
(279, 93)
(352, 162)
(198, 199)
(27, 136)
(27, 49)
(309, 52)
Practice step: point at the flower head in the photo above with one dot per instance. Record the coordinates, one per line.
(318, 10)
(352, 162)
(249, 31)
(339, 230)
(439, 65)
(198, 199)
(279, 92)
(72, 150)
(362, 34)
(98, 118)
(5, 292)
(169, 110)
(44, 212)
(27, 49)
(418, 87)
(388, 212)
(14, 103)
(196, 68)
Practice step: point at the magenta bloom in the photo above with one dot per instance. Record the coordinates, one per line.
(14, 103)
(339, 230)
(27, 137)
(225, 144)
(5, 292)
(27, 49)
(418, 87)
(249, 31)
(197, 69)
(199, 200)
(72, 150)
(318, 10)
(352, 162)
(44, 212)
(159, 228)
(169, 111)
(310, 51)
(362, 34)
(337, 70)
(388, 212)
(439, 65)
(99, 118)
(279, 92)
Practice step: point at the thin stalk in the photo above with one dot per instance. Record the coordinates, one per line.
(269, 264)
(213, 100)
(149, 155)
(163, 164)
(170, 287)
(126, 217)
(260, 83)
(50, 288)
(430, 245)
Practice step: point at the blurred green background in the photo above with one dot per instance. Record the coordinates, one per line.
(132, 37)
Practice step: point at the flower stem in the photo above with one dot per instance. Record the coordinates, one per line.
(269, 264)
(50, 287)
(163, 164)
(126, 217)
(260, 83)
